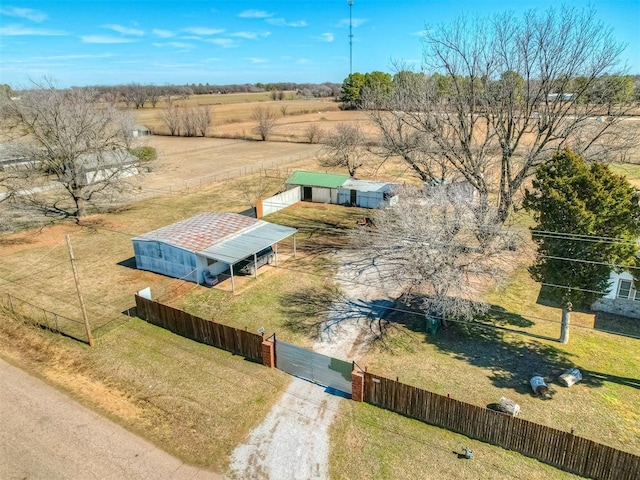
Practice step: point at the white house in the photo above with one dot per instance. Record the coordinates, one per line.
(623, 297)
(96, 168)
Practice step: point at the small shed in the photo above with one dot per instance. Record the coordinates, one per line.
(140, 131)
(317, 187)
(207, 245)
(367, 194)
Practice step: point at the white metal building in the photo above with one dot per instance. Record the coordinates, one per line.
(367, 194)
(207, 245)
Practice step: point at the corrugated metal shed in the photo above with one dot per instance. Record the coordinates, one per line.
(316, 179)
(202, 231)
(247, 243)
(368, 186)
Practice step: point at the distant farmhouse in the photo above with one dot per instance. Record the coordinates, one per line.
(94, 168)
(10, 158)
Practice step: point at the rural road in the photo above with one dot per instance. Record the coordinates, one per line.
(46, 435)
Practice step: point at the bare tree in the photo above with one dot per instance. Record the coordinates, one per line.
(505, 98)
(344, 147)
(202, 119)
(314, 133)
(135, 94)
(437, 245)
(266, 120)
(68, 138)
(171, 117)
(187, 118)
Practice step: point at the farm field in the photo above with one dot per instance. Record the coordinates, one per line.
(198, 403)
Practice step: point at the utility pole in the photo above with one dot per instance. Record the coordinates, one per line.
(75, 277)
(350, 2)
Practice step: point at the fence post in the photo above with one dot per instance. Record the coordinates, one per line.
(268, 356)
(82, 307)
(357, 384)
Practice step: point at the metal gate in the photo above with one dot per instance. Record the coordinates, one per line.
(301, 362)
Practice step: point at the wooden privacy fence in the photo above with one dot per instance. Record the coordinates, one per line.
(239, 342)
(549, 445)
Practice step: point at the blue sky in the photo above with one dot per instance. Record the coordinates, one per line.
(110, 42)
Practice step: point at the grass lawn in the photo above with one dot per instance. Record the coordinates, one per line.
(480, 365)
(370, 444)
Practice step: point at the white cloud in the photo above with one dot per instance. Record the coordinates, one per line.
(105, 39)
(17, 30)
(26, 13)
(356, 22)
(124, 30)
(419, 33)
(222, 42)
(203, 30)
(303, 61)
(173, 44)
(281, 22)
(326, 37)
(162, 33)
(255, 14)
(251, 35)
(257, 60)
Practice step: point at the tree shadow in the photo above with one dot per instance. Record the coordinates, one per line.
(512, 361)
(320, 232)
(319, 313)
(616, 325)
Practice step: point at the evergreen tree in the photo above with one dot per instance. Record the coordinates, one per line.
(351, 87)
(588, 221)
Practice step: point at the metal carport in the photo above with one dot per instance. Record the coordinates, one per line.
(249, 242)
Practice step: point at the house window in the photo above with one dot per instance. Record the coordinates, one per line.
(624, 289)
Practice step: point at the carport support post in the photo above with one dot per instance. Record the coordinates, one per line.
(233, 283)
(255, 265)
(294, 246)
(275, 256)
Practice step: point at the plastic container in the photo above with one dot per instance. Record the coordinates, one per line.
(538, 385)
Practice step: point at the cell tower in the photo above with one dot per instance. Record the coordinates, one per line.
(350, 2)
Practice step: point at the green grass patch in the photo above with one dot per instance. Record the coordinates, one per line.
(480, 365)
(370, 443)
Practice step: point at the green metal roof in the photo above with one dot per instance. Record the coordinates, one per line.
(317, 179)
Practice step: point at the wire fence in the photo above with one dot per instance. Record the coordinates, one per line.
(56, 322)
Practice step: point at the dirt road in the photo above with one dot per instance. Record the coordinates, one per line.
(46, 435)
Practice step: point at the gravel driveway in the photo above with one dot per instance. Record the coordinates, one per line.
(292, 443)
